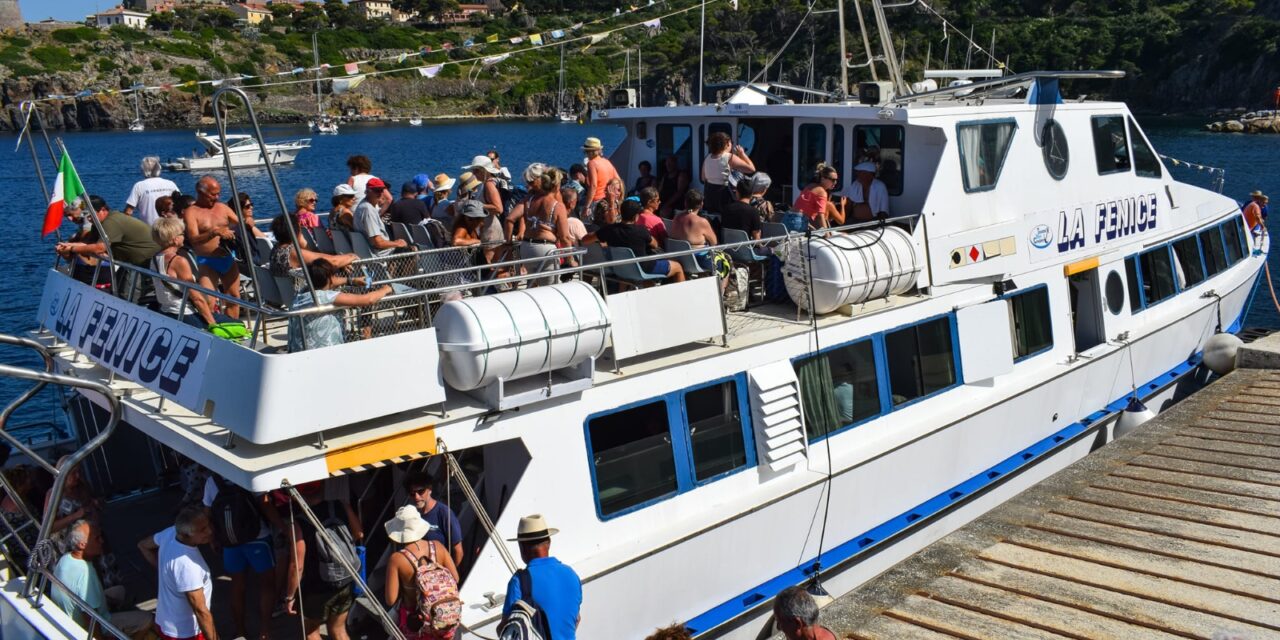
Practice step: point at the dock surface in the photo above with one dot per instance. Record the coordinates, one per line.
(1172, 531)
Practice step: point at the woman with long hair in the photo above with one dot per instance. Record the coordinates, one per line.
(814, 202)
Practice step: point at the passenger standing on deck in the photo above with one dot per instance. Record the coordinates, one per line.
(500, 173)
(723, 160)
(360, 167)
(487, 194)
(186, 586)
(1253, 210)
(553, 585)
(142, 198)
(237, 512)
(416, 551)
(444, 525)
(323, 597)
(599, 170)
(211, 234)
(796, 615)
(673, 184)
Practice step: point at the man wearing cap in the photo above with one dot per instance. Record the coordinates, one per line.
(869, 195)
(599, 171)
(546, 583)
(408, 209)
(368, 218)
(1253, 210)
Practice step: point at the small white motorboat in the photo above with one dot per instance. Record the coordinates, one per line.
(137, 125)
(242, 149)
(415, 121)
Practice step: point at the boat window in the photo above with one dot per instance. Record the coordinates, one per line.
(1053, 146)
(1233, 236)
(983, 149)
(1157, 275)
(1115, 293)
(1145, 163)
(837, 155)
(1190, 268)
(715, 430)
(705, 131)
(883, 145)
(675, 140)
(839, 388)
(921, 360)
(632, 456)
(811, 152)
(1032, 325)
(1110, 144)
(1135, 285)
(747, 137)
(1215, 256)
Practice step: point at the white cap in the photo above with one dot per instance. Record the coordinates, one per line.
(343, 190)
(865, 166)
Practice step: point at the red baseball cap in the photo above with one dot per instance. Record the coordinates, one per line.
(375, 183)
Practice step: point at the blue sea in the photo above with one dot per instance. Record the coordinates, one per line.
(108, 165)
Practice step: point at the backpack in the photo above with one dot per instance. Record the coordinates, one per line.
(331, 571)
(526, 620)
(439, 610)
(234, 514)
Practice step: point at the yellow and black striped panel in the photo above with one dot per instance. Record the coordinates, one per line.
(375, 454)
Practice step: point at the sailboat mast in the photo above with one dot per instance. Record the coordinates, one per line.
(560, 95)
(315, 55)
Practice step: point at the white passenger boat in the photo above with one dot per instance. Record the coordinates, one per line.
(244, 151)
(415, 121)
(1041, 268)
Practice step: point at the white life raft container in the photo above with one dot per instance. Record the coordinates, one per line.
(850, 268)
(517, 334)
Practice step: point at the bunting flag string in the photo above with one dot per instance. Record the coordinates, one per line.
(1217, 174)
(427, 70)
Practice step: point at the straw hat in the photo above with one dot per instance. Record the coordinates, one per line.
(407, 526)
(1257, 194)
(469, 182)
(592, 144)
(442, 182)
(532, 529)
(482, 162)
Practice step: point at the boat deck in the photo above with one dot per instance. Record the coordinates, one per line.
(1169, 532)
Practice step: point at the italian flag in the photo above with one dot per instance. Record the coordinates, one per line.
(66, 189)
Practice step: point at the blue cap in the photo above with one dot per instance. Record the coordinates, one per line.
(632, 198)
(422, 181)
(410, 187)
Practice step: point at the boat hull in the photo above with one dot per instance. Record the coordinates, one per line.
(238, 160)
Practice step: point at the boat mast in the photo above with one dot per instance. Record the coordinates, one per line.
(844, 54)
(137, 109)
(315, 54)
(560, 95)
(886, 46)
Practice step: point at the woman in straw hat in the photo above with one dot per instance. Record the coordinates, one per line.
(406, 531)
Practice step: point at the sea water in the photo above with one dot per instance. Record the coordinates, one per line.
(108, 161)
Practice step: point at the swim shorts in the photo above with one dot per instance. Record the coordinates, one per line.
(220, 264)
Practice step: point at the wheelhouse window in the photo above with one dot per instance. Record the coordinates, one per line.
(1191, 269)
(632, 456)
(1145, 162)
(1135, 285)
(1215, 254)
(1110, 144)
(714, 416)
(1157, 276)
(837, 155)
(921, 360)
(674, 140)
(1234, 238)
(983, 149)
(1031, 322)
(839, 388)
(884, 145)
(811, 151)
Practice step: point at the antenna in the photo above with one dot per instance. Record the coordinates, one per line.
(844, 53)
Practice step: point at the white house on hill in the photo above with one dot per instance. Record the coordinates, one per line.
(120, 15)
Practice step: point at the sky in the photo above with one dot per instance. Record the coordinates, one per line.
(36, 10)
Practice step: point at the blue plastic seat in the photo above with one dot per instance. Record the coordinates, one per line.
(631, 273)
(744, 255)
(688, 262)
(773, 230)
(341, 242)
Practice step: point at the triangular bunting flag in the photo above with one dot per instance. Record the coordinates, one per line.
(492, 60)
(343, 85)
(517, 40)
(429, 72)
(493, 37)
(351, 68)
(536, 39)
(557, 34)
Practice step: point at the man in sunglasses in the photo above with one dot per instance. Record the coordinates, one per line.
(444, 525)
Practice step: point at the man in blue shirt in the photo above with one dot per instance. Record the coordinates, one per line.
(444, 525)
(554, 588)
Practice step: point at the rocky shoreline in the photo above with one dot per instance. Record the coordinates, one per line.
(1250, 122)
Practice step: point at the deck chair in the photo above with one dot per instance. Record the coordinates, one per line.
(400, 231)
(318, 240)
(688, 262)
(773, 230)
(630, 273)
(284, 285)
(747, 256)
(341, 242)
(261, 251)
(268, 292)
(360, 244)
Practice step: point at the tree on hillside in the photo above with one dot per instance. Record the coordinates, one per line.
(310, 17)
(425, 8)
(160, 20)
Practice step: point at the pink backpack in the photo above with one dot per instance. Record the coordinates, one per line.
(439, 609)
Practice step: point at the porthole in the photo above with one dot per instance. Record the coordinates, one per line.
(1053, 145)
(1115, 293)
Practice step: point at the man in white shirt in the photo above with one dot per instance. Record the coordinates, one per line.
(142, 199)
(868, 194)
(186, 586)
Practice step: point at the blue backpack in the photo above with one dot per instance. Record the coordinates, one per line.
(526, 620)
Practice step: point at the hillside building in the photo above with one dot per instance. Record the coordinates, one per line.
(251, 14)
(120, 15)
(372, 9)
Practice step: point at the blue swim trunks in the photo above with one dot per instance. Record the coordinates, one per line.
(256, 555)
(220, 264)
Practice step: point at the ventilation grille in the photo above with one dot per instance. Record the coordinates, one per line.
(777, 415)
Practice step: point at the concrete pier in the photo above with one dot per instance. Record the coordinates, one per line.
(1172, 531)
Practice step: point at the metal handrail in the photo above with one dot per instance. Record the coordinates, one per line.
(22, 399)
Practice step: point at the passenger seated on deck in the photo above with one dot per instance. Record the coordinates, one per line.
(760, 183)
(368, 219)
(342, 208)
(83, 544)
(869, 194)
(211, 233)
(672, 185)
(305, 200)
(130, 238)
(314, 331)
(246, 207)
(412, 548)
(607, 211)
(691, 227)
(739, 214)
(814, 202)
(169, 233)
(646, 178)
(649, 214)
(632, 235)
(284, 257)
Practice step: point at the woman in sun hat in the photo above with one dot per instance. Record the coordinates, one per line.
(342, 211)
(406, 531)
(440, 188)
(482, 168)
(599, 171)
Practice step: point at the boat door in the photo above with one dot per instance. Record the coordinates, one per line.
(704, 131)
(770, 143)
(1086, 307)
(818, 142)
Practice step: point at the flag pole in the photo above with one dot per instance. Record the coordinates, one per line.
(702, 40)
(85, 203)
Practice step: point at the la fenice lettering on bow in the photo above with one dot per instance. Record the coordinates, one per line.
(1110, 220)
(159, 353)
